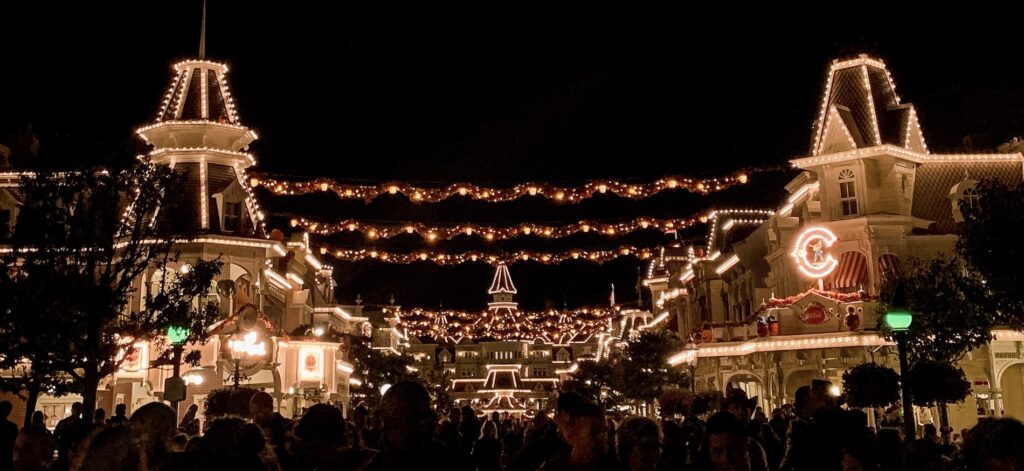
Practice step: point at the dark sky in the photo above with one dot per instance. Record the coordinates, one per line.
(504, 92)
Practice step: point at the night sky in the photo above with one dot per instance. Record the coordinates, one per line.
(497, 93)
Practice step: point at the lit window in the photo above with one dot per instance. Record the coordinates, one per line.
(847, 193)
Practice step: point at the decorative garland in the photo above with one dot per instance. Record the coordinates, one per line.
(449, 324)
(489, 233)
(569, 194)
(444, 258)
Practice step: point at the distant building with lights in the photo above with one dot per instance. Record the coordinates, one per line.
(778, 298)
(505, 360)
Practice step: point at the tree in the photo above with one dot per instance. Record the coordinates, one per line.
(937, 383)
(81, 241)
(950, 316)
(376, 368)
(596, 381)
(944, 297)
(990, 243)
(182, 302)
(871, 385)
(643, 369)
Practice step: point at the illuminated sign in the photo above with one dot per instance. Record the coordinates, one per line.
(311, 364)
(811, 252)
(137, 360)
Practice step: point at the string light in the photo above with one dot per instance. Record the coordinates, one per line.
(280, 186)
(432, 233)
(444, 258)
(452, 325)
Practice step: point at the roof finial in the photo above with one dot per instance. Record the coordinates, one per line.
(202, 34)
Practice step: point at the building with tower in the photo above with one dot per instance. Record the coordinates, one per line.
(505, 360)
(779, 297)
(281, 329)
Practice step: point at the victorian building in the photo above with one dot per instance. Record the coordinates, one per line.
(779, 297)
(281, 329)
(506, 360)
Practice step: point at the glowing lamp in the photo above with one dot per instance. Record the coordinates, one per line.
(898, 321)
(177, 335)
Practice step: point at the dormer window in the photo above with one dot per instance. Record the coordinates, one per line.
(228, 206)
(847, 193)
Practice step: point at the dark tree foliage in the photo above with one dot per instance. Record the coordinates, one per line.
(990, 242)
(675, 401)
(597, 381)
(937, 383)
(643, 367)
(871, 385)
(950, 317)
(376, 368)
(81, 241)
(229, 402)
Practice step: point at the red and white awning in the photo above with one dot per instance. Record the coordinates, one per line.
(852, 271)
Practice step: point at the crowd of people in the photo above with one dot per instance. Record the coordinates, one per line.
(405, 432)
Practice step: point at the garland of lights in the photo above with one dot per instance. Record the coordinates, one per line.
(445, 324)
(489, 233)
(572, 194)
(444, 258)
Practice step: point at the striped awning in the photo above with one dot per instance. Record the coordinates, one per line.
(888, 264)
(852, 271)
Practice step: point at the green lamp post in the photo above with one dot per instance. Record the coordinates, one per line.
(898, 319)
(174, 387)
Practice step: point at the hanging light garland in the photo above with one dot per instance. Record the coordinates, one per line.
(551, 324)
(444, 258)
(567, 194)
(491, 233)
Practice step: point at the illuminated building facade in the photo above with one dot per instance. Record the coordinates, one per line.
(790, 295)
(509, 362)
(281, 327)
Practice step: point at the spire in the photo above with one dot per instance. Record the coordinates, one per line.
(202, 34)
(860, 108)
(502, 283)
(197, 132)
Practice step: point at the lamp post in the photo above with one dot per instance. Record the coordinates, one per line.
(174, 387)
(898, 320)
(247, 346)
(692, 364)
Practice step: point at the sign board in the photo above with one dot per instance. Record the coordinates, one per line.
(174, 389)
(814, 314)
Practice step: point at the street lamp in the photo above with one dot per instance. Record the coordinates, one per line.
(898, 320)
(694, 355)
(247, 346)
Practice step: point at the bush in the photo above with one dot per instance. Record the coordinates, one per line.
(871, 385)
(675, 401)
(932, 383)
(229, 402)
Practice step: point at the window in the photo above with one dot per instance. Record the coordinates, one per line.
(232, 216)
(467, 372)
(540, 372)
(847, 193)
(970, 198)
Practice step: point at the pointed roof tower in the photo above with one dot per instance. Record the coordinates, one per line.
(503, 320)
(502, 282)
(860, 108)
(198, 133)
